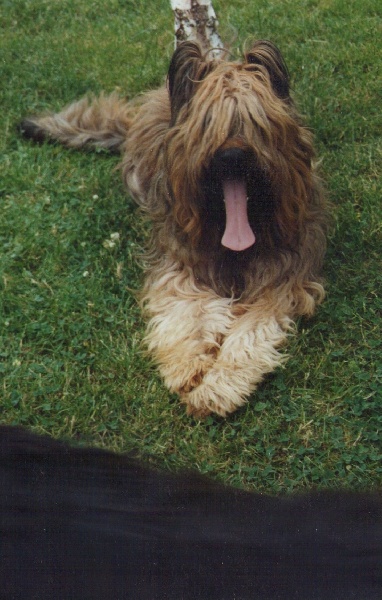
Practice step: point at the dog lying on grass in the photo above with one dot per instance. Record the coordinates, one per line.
(220, 162)
(88, 524)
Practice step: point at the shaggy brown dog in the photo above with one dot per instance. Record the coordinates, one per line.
(221, 162)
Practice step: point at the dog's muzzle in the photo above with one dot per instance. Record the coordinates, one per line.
(231, 167)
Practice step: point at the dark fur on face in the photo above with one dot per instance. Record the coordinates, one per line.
(236, 162)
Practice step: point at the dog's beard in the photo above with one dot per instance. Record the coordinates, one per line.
(235, 183)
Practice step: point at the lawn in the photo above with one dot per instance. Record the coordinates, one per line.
(72, 362)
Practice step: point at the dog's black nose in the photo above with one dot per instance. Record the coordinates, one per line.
(231, 162)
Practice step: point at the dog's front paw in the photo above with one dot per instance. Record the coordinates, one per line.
(184, 375)
(206, 399)
(198, 413)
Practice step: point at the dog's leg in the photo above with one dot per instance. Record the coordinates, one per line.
(249, 351)
(102, 122)
(185, 330)
(210, 351)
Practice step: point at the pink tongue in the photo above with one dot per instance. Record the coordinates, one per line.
(238, 234)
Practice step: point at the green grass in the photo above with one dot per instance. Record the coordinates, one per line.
(71, 358)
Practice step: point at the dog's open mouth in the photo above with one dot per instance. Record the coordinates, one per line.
(238, 234)
(230, 170)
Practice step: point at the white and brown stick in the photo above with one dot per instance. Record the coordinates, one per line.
(195, 20)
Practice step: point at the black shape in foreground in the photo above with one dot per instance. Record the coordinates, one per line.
(92, 525)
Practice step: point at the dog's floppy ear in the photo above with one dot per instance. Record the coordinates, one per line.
(267, 55)
(187, 67)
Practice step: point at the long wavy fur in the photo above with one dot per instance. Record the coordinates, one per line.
(217, 316)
